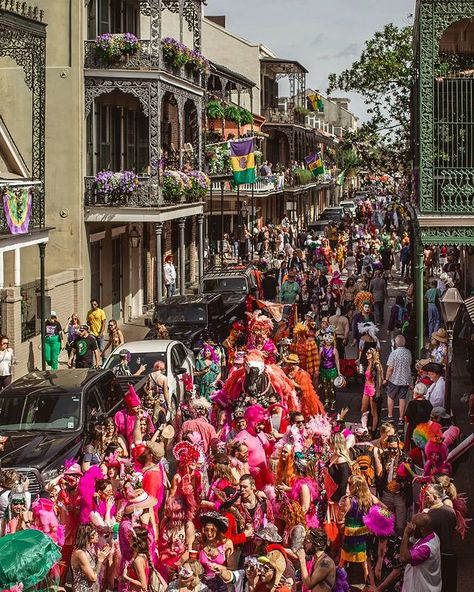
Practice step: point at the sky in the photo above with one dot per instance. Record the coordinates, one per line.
(325, 36)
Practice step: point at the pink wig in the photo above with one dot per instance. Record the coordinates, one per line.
(255, 414)
(379, 521)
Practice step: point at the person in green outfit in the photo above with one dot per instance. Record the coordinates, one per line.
(53, 340)
(290, 289)
(208, 371)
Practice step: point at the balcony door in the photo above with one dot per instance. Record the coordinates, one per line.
(118, 140)
(117, 267)
(112, 16)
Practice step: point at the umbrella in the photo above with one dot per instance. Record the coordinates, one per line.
(26, 557)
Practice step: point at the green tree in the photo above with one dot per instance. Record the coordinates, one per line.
(383, 77)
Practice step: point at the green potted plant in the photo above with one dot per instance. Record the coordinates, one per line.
(245, 116)
(232, 113)
(215, 110)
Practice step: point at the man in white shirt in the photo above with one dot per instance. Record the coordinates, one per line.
(422, 556)
(436, 392)
(169, 272)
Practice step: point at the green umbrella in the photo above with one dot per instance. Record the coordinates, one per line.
(26, 557)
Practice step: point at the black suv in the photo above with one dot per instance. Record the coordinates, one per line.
(234, 284)
(188, 317)
(46, 414)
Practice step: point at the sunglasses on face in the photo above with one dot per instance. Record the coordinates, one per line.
(4, 342)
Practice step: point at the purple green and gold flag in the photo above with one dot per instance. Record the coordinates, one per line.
(315, 163)
(17, 206)
(242, 160)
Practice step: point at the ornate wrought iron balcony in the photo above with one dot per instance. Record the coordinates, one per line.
(144, 59)
(278, 117)
(147, 195)
(454, 191)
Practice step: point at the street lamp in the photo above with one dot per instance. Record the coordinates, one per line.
(134, 238)
(451, 304)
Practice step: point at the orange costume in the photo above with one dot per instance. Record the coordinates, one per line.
(305, 348)
(310, 403)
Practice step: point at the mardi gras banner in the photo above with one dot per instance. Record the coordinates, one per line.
(17, 204)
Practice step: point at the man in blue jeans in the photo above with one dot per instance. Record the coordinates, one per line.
(432, 296)
(169, 271)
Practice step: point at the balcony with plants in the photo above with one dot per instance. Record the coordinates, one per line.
(124, 51)
(128, 189)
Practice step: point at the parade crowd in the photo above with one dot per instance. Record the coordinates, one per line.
(259, 482)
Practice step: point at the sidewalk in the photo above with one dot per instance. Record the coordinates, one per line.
(136, 329)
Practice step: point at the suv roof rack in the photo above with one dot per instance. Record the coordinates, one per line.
(230, 270)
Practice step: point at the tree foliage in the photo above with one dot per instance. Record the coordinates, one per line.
(383, 77)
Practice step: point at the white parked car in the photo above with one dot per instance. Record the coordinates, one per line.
(349, 206)
(179, 360)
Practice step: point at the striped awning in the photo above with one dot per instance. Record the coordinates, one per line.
(469, 302)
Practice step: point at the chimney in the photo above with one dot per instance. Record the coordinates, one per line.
(218, 20)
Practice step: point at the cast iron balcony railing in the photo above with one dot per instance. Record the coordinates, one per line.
(37, 203)
(143, 59)
(262, 185)
(146, 195)
(281, 117)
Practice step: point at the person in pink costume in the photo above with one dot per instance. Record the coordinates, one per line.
(436, 452)
(86, 491)
(45, 520)
(257, 444)
(125, 418)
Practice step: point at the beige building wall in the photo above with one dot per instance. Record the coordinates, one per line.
(224, 48)
(64, 174)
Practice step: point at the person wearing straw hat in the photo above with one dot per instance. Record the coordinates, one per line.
(310, 403)
(271, 569)
(439, 340)
(154, 475)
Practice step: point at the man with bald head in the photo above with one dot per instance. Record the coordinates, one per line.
(420, 550)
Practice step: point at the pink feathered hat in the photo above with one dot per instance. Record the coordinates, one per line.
(379, 521)
(73, 469)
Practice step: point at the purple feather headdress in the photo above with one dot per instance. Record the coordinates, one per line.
(380, 521)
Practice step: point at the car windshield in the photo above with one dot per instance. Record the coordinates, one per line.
(146, 359)
(40, 412)
(331, 214)
(228, 284)
(185, 314)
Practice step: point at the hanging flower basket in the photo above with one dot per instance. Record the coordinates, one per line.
(199, 186)
(198, 62)
(175, 185)
(176, 53)
(116, 47)
(110, 187)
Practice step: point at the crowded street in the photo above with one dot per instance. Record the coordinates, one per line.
(236, 296)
